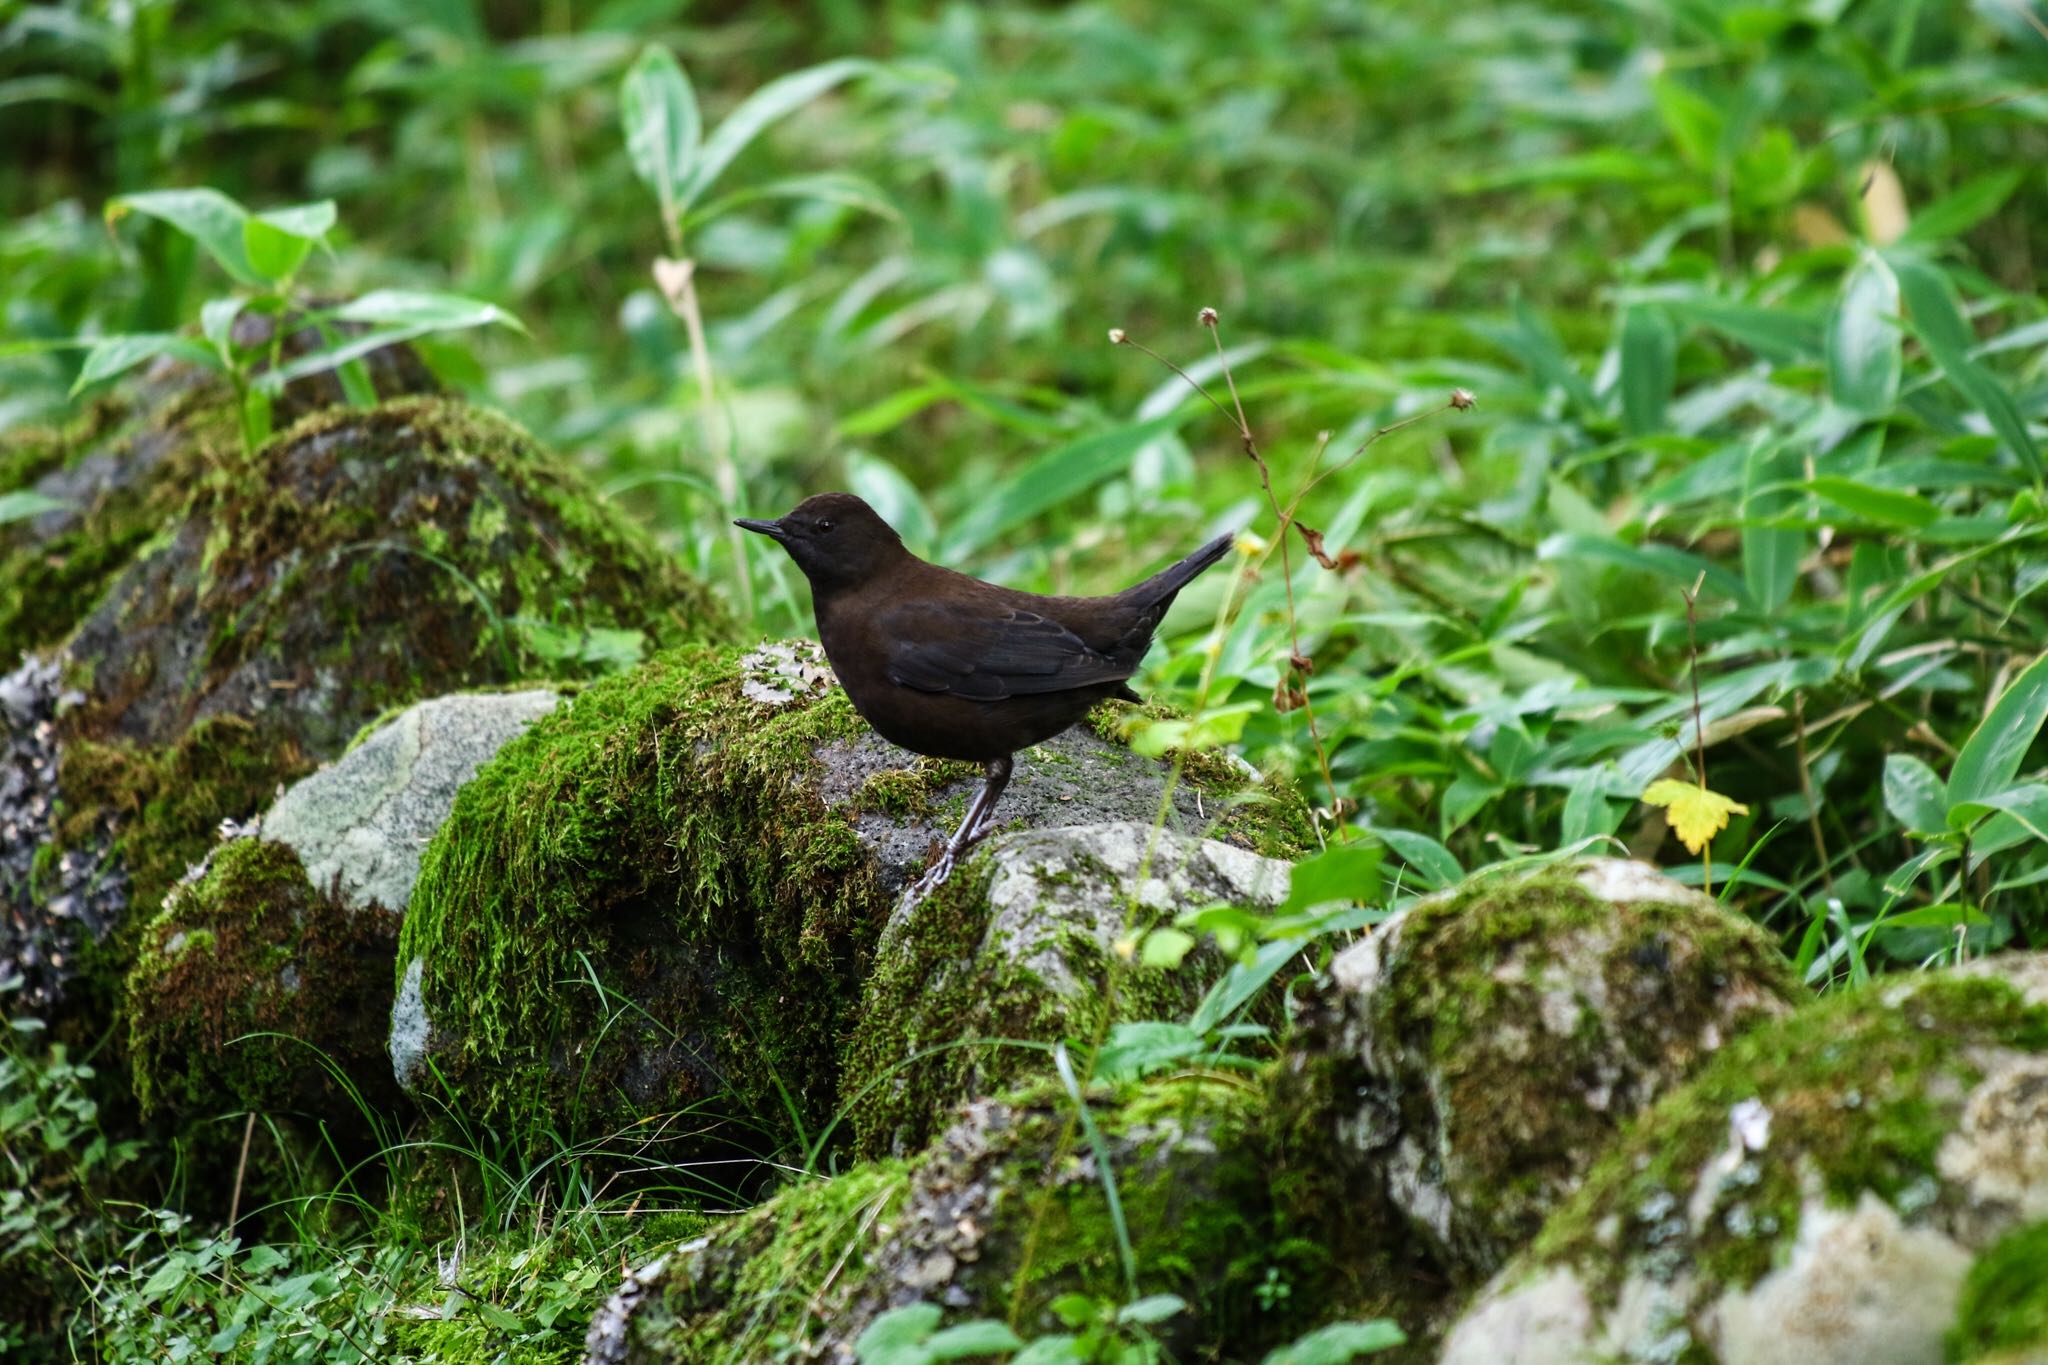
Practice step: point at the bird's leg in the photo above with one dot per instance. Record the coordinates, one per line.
(975, 827)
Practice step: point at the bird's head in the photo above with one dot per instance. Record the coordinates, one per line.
(835, 538)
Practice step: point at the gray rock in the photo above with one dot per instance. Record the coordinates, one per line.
(1468, 1062)
(360, 823)
(47, 915)
(1007, 1186)
(1019, 948)
(411, 1031)
(1818, 1192)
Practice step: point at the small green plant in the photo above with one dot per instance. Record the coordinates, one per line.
(262, 254)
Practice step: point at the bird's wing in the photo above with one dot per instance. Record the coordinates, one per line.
(985, 652)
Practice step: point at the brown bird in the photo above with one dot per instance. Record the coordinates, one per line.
(950, 666)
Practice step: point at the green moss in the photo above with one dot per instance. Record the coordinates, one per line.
(2005, 1299)
(1861, 1088)
(1353, 1254)
(1451, 996)
(656, 828)
(48, 584)
(250, 950)
(1191, 1185)
(1018, 1206)
(755, 1292)
(1265, 814)
(948, 1014)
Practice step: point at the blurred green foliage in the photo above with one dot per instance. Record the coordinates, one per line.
(1749, 294)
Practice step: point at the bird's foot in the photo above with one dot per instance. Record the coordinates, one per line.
(934, 877)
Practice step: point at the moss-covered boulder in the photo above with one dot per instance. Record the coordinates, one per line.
(1824, 1189)
(1002, 1215)
(1456, 1073)
(253, 988)
(666, 894)
(119, 472)
(1020, 946)
(360, 560)
(265, 980)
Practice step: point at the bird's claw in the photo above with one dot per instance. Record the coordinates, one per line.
(934, 877)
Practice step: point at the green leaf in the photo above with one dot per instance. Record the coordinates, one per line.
(1649, 351)
(1338, 1343)
(1587, 811)
(1341, 872)
(1865, 348)
(980, 1338)
(261, 1259)
(1772, 333)
(217, 325)
(498, 1317)
(1954, 214)
(1882, 506)
(310, 221)
(1146, 1045)
(428, 311)
(658, 110)
(2025, 805)
(398, 315)
(118, 355)
(273, 253)
(829, 187)
(1062, 1349)
(24, 503)
(1770, 556)
(1153, 1308)
(1051, 479)
(207, 216)
(1165, 948)
(1694, 122)
(1990, 758)
(1665, 561)
(897, 1336)
(1914, 793)
(772, 102)
(1244, 980)
(1938, 321)
(1945, 916)
(1424, 855)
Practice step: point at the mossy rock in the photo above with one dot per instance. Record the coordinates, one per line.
(1821, 1190)
(1002, 1215)
(667, 893)
(1019, 948)
(1486, 1043)
(122, 469)
(254, 989)
(294, 933)
(358, 561)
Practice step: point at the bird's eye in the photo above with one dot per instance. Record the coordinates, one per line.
(824, 526)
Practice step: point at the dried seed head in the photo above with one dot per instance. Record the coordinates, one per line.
(1117, 337)
(1207, 317)
(1461, 399)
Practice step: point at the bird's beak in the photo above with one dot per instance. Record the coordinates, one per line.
(771, 529)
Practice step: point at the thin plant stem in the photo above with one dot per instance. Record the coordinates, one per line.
(1699, 729)
(679, 286)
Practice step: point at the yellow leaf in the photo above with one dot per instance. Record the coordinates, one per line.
(1695, 813)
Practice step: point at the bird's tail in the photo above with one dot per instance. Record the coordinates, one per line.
(1161, 587)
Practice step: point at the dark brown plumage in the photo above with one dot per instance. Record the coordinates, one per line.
(950, 666)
